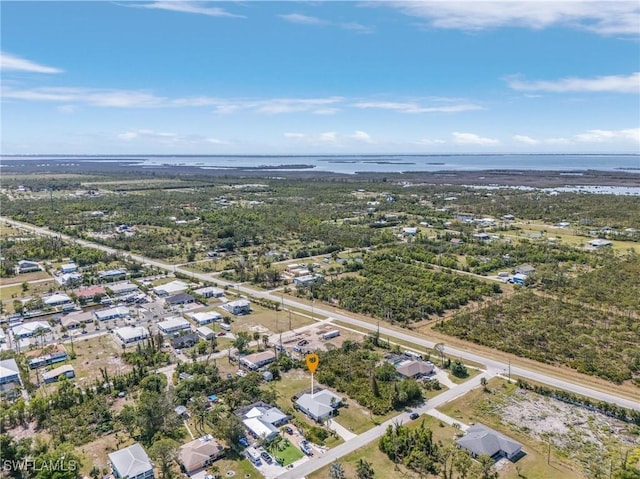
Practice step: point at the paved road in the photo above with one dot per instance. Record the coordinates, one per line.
(491, 365)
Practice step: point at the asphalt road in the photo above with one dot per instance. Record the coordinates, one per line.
(493, 366)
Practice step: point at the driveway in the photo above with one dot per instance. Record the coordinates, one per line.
(342, 431)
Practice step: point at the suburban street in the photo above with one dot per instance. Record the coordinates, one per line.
(493, 366)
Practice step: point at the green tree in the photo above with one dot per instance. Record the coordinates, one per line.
(165, 451)
(336, 471)
(364, 470)
(459, 370)
(67, 463)
(242, 341)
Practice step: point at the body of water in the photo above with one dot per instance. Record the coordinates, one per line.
(373, 163)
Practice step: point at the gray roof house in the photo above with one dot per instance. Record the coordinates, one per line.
(320, 406)
(525, 269)
(480, 439)
(131, 462)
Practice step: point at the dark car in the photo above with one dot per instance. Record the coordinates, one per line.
(288, 430)
(414, 416)
(266, 457)
(304, 342)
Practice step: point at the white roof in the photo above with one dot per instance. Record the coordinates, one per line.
(54, 373)
(117, 311)
(30, 328)
(131, 332)
(259, 428)
(8, 367)
(209, 289)
(176, 286)
(66, 277)
(206, 316)
(204, 331)
(68, 265)
(57, 299)
(122, 287)
(320, 404)
(130, 461)
(239, 303)
(174, 322)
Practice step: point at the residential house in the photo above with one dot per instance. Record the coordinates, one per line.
(205, 317)
(308, 280)
(89, 293)
(199, 454)
(410, 231)
(25, 266)
(180, 298)
(131, 462)
(125, 287)
(519, 278)
(173, 287)
(210, 292)
(599, 243)
(415, 369)
(68, 268)
(262, 420)
(257, 360)
(67, 279)
(27, 330)
(9, 372)
(173, 325)
(131, 334)
(55, 374)
(38, 360)
(112, 274)
(205, 333)
(319, 406)
(525, 269)
(76, 320)
(480, 439)
(57, 300)
(238, 307)
(185, 341)
(119, 312)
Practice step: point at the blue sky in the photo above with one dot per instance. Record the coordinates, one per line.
(171, 77)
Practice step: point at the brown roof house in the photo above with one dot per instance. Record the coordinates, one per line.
(200, 453)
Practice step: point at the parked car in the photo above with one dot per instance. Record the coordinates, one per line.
(414, 415)
(288, 430)
(304, 447)
(266, 457)
(304, 342)
(243, 442)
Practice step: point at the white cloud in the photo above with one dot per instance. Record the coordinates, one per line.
(362, 136)
(473, 139)
(297, 136)
(409, 107)
(602, 136)
(527, 140)
(14, 63)
(429, 141)
(590, 136)
(303, 19)
(330, 136)
(610, 83)
(602, 17)
(167, 138)
(293, 105)
(184, 6)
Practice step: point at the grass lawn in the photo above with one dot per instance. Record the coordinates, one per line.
(273, 321)
(384, 468)
(359, 419)
(472, 372)
(286, 451)
(475, 406)
(241, 466)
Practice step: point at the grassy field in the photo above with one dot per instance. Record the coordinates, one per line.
(286, 451)
(384, 468)
(273, 321)
(475, 406)
(93, 354)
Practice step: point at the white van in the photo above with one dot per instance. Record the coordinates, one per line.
(253, 455)
(225, 326)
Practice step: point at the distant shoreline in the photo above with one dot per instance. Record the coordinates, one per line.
(501, 177)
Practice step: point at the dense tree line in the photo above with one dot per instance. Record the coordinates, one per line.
(549, 330)
(390, 288)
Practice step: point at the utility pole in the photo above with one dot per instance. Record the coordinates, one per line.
(509, 371)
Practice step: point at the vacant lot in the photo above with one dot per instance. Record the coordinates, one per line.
(268, 321)
(529, 418)
(96, 353)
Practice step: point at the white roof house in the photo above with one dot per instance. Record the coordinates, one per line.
(257, 360)
(55, 374)
(67, 278)
(320, 406)
(205, 332)
(112, 313)
(9, 371)
(206, 317)
(240, 306)
(69, 268)
(173, 324)
(131, 462)
(173, 287)
(56, 299)
(262, 421)
(29, 329)
(131, 334)
(210, 292)
(599, 242)
(123, 288)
